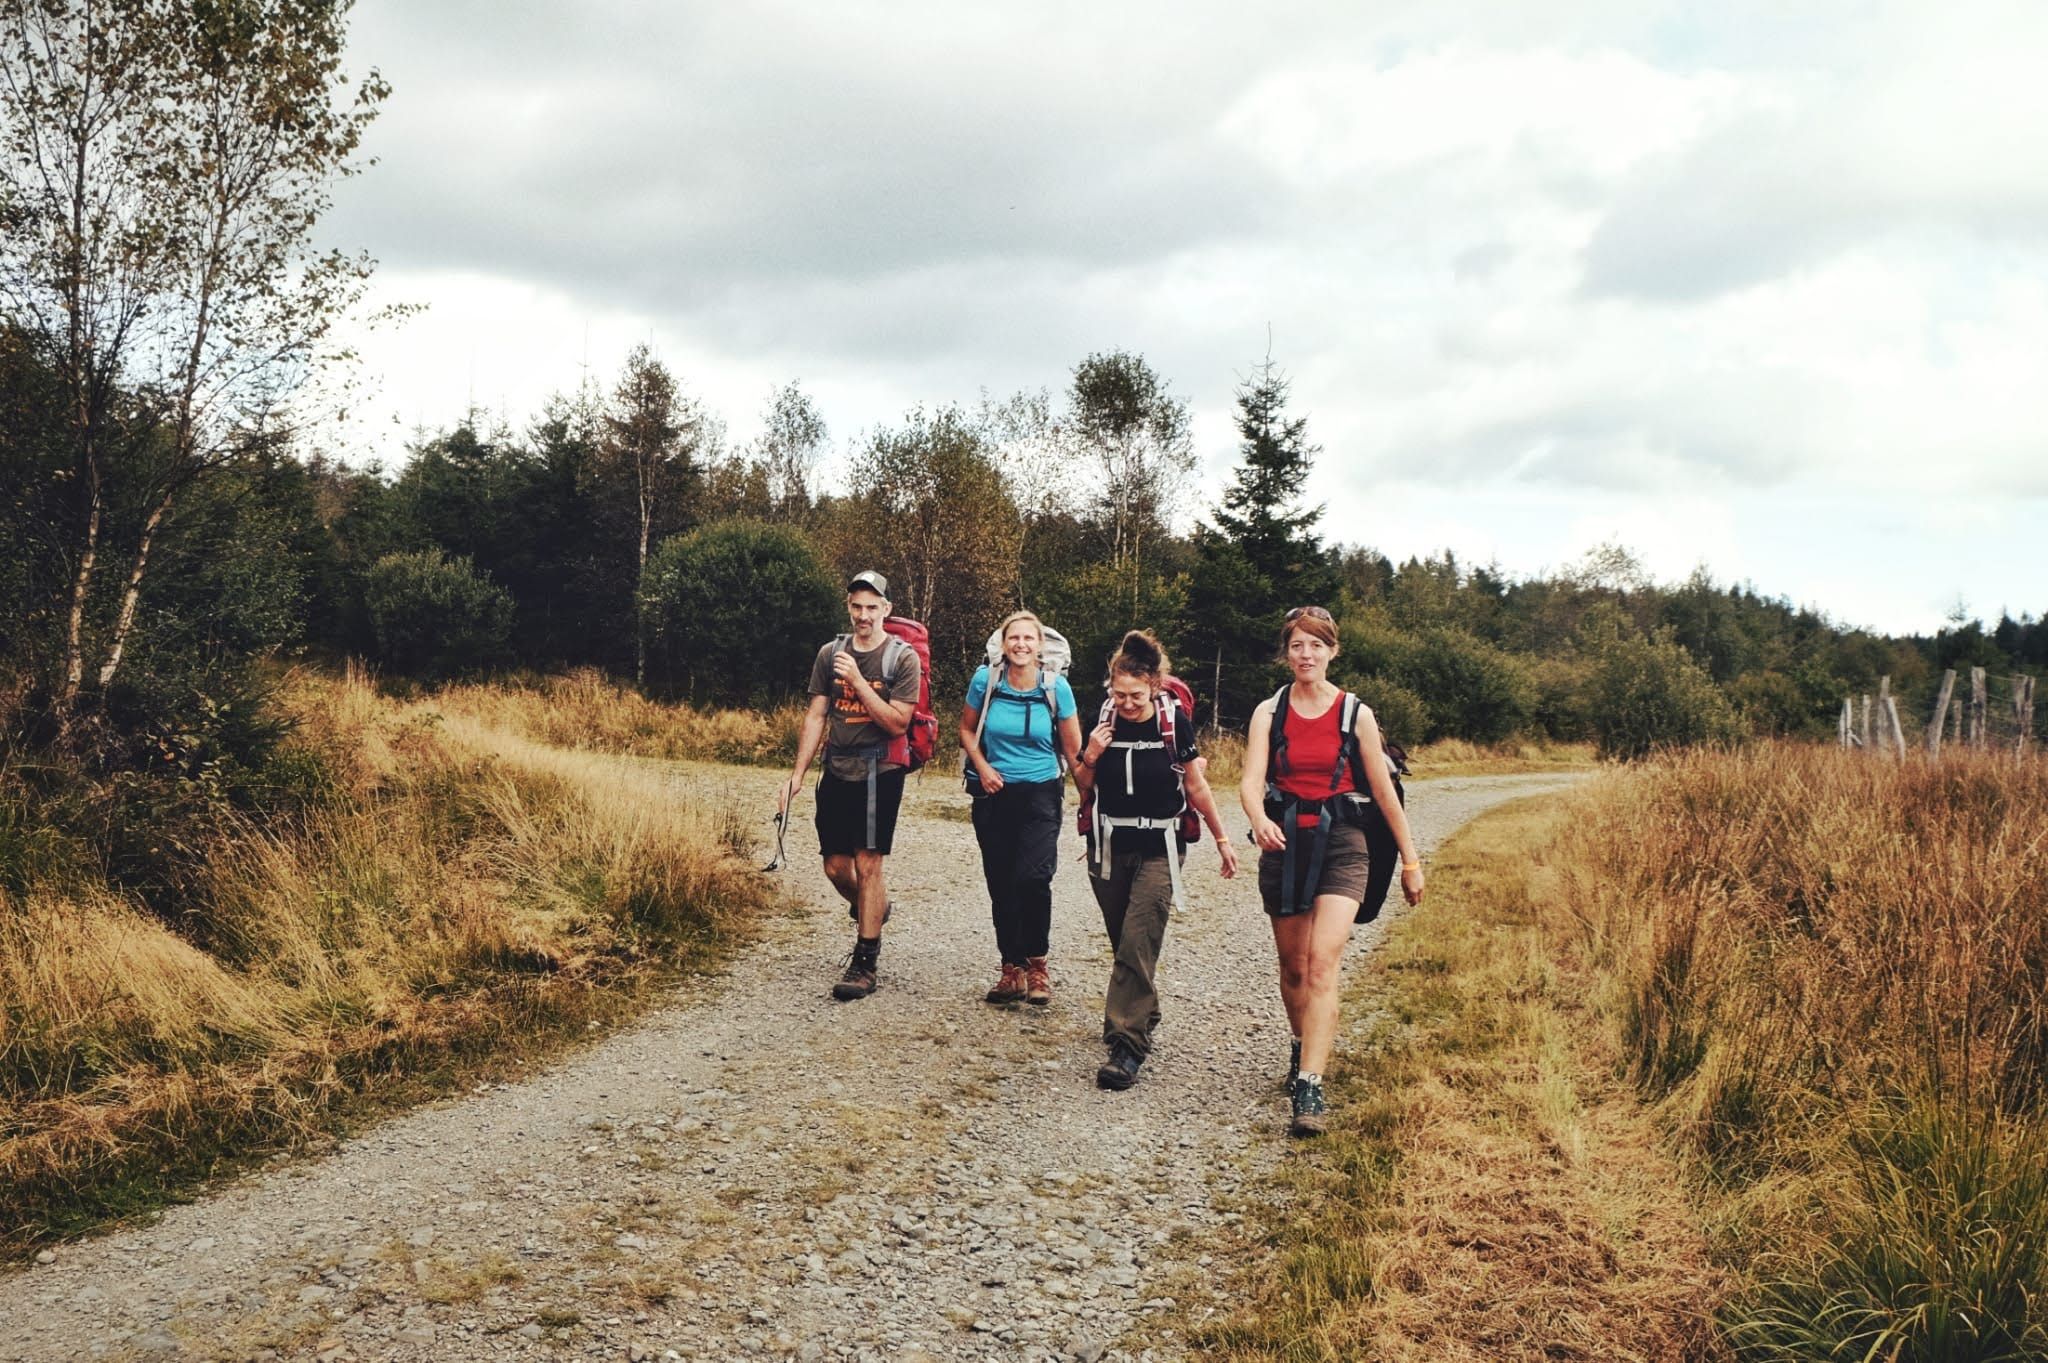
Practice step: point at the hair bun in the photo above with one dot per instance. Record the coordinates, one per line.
(1142, 649)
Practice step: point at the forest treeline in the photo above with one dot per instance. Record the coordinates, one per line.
(620, 530)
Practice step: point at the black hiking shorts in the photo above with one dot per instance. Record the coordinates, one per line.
(844, 821)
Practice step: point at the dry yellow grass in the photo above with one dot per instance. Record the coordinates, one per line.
(464, 896)
(1489, 1190)
(1726, 1055)
(1831, 974)
(584, 710)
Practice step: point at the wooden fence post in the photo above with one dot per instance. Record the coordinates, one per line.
(1948, 689)
(1891, 714)
(1976, 707)
(1864, 728)
(1845, 724)
(2022, 712)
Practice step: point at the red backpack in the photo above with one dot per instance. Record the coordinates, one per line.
(914, 746)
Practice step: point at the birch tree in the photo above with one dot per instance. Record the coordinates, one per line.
(162, 168)
(1124, 421)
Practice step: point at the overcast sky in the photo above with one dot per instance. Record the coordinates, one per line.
(1751, 285)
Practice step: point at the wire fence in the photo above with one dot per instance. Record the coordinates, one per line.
(1994, 712)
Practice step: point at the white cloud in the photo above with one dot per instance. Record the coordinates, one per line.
(1735, 285)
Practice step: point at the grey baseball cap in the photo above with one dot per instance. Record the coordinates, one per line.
(869, 581)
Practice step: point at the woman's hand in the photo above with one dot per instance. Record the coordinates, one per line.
(1098, 742)
(1411, 882)
(1268, 835)
(1229, 855)
(991, 779)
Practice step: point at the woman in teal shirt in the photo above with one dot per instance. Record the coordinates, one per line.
(1014, 758)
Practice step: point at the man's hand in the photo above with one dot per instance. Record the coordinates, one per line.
(789, 790)
(846, 669)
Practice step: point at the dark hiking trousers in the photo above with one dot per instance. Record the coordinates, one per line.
(1135, 898)
(1018, 828)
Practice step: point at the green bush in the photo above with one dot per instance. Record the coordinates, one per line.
(1473, 690)
(435, 617)
(1649, 693)
(735, 612)
(1403, 717)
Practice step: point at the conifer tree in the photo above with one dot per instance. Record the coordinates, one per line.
(1264, 555)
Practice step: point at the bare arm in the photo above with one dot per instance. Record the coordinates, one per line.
(892, 715)
(808, 739)
(970, 743)
(1070, 739)
(1091, 753)
(1381, 783)
(1251, 787)
(1203, 802)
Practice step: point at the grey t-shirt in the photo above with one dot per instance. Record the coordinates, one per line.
(850, 734)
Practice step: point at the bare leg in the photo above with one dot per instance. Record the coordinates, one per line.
(873, 890)
(1328, 934)
(1291, 938)
(840, 871)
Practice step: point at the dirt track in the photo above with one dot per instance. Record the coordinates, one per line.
(755, 1171)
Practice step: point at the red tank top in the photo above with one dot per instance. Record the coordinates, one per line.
(1311, 755)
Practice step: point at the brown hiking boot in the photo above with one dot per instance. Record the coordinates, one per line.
(1009, 986)
(1037, 982)
(859, 980)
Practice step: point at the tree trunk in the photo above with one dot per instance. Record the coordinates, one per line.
(132, 593)
(74, 633)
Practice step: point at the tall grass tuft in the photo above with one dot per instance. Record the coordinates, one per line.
(1831, 973)
(458, 896)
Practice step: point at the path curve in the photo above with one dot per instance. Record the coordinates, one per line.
(754, 1171)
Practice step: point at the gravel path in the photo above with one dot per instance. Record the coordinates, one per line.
(756, 1171)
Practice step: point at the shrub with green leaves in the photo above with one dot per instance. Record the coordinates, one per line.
(1648, 693)
(735, 612)
(435, 617)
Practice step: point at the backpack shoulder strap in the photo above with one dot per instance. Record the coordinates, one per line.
(1276, 745)
(1347, 744)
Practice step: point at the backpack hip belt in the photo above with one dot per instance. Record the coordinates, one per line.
(1104, 829)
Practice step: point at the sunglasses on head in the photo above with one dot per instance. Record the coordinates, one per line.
(1316, 611)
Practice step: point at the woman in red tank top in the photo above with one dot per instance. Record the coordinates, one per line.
(1315, 745)
(1312, 875)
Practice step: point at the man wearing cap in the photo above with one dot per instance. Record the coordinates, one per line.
(864, 689)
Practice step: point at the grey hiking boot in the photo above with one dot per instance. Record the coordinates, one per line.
(1309, 1109)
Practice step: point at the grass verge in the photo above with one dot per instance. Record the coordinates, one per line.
(461, 900)
(1489, 1189)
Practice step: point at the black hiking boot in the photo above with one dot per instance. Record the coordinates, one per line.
(859, 980)
(1309, 1109)
(1120, 1071)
